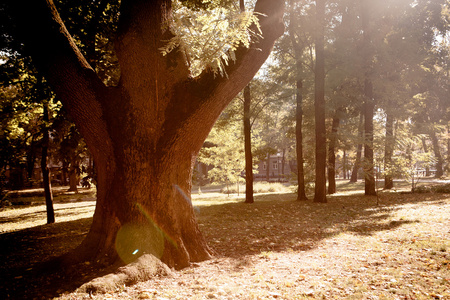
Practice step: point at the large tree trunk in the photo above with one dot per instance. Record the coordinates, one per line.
(332, 153)
(319, 105)
(369, 104)
(145, 133)
(388, 152)
(45, 170)
(248, 147)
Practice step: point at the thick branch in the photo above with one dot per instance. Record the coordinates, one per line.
(143, 30)
(248, 61)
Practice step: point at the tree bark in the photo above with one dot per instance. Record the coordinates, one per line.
(248, 147)
(45, 170)
(319, 105)
(332, 153)
(145, 133)
(388, 152)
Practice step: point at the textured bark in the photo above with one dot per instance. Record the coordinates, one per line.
(319, 105)
(145, 133)
(248, 147)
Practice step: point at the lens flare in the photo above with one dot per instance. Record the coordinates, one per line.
(177, 187)
(139, 238)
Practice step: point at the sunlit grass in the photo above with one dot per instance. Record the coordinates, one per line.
(29, 212)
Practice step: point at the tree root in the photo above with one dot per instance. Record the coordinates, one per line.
(144, 268)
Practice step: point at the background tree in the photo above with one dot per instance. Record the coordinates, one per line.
(248, 147)
(319, 105)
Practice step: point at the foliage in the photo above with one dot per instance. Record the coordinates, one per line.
(209, 37)
(226, 154)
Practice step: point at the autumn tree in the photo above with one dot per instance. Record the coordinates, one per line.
(145, 132)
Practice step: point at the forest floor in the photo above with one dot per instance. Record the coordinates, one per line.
(277, 248)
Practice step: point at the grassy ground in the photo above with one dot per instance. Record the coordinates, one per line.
(276, 248)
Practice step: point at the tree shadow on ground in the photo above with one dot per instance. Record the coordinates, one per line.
(235, 230)
(279, 223)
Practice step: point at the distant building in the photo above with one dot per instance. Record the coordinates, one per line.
(276, 168)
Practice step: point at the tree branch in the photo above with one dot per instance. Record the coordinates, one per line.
(248, 60)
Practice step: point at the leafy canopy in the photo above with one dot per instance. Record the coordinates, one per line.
(210, 36)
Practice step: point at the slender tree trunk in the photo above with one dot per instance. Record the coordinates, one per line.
(31, 160)
(268, 167)
(344, 165)
(357, 165)
(301, 193)
(319, 105)
(388, 152)
(64, 173)
(45, 170)
(298, 52)
(73, 176)
(448, 148)
(369, 178)
(248, 147)
(369, 105)
(437, 154)
(332, 154)
(425, 149)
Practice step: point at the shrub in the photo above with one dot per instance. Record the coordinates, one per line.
(258, 188)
